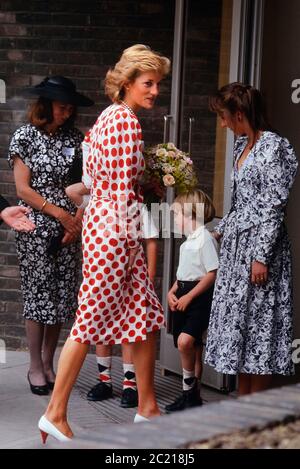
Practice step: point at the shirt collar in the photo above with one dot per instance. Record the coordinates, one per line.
(196, 233)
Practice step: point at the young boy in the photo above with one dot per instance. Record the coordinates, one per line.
(191, 295)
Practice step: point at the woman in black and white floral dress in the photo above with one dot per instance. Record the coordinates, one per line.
(250, 330)
(45, 155)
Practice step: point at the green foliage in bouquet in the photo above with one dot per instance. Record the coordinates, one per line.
(167, 166)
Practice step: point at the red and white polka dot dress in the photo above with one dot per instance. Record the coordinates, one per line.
(114, 308)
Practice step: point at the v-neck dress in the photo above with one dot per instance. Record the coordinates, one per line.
(113, 307)
(250, 329)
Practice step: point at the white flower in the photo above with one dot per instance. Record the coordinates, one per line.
(171, 154)
(168, 180)
(167, 168)
(171, 146)
(188, 160)
(161, 152)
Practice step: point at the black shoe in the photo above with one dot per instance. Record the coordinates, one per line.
(186, 400)
(50, 385)
(100, 392)
(38, 390)
(129, 398)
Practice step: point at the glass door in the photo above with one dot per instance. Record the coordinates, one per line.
(205, 32)
(210, 50)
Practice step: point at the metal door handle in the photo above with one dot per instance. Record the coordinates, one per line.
(191, 122)
(167, 119)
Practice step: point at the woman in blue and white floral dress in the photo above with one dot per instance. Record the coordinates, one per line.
(250, 330)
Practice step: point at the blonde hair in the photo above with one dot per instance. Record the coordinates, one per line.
(135, 60)
(194, 198)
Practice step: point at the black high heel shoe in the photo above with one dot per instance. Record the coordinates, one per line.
(38, 390)
(50, 385)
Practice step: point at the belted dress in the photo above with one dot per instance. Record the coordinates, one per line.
(115, 307)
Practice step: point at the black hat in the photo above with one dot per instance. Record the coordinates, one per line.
(59, 88)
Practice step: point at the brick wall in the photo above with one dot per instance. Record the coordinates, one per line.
(79, 40)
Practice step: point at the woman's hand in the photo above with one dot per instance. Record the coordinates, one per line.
(72, 224)
(69, 238)
(183, 302)
(16, 218)
(216, 235)
(132, 254)
(151, 275)
(259, 273)
(172, 301)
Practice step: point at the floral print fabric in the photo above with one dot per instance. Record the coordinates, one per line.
(49, 282)
(250, 328)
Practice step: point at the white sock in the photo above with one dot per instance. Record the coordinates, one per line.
(188, 379)
(104, 367)
(129, 376)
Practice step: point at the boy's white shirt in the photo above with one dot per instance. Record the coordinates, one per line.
(199, 254)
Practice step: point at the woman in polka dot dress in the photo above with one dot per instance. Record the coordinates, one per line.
(117, 302)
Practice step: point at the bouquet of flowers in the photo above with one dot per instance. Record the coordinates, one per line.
(167, 166)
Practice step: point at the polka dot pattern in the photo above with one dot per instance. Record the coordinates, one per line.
(114, 308)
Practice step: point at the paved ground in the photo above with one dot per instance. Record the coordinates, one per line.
(223, 421)
(20, 409)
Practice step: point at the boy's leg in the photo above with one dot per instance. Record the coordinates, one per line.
(129, 396)
(187, 349)
(189, 397)
(103, 389)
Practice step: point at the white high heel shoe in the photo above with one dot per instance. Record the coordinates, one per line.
(139, 418)
(47, 428)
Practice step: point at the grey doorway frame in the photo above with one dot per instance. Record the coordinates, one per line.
(244, 66)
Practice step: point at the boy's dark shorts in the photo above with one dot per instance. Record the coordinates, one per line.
(194, 320)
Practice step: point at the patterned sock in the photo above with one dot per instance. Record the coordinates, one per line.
(104, 367)
(188, 379)
(129, 376)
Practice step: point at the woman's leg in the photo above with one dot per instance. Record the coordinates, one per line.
(253, 383)
(144, 362)
(260, 382)
(198, 364)
(244, 386)
(35, 335)
(51, 335)
(69, 365)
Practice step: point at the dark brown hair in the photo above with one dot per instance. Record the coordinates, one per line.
(40, 114)
(244, 98)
